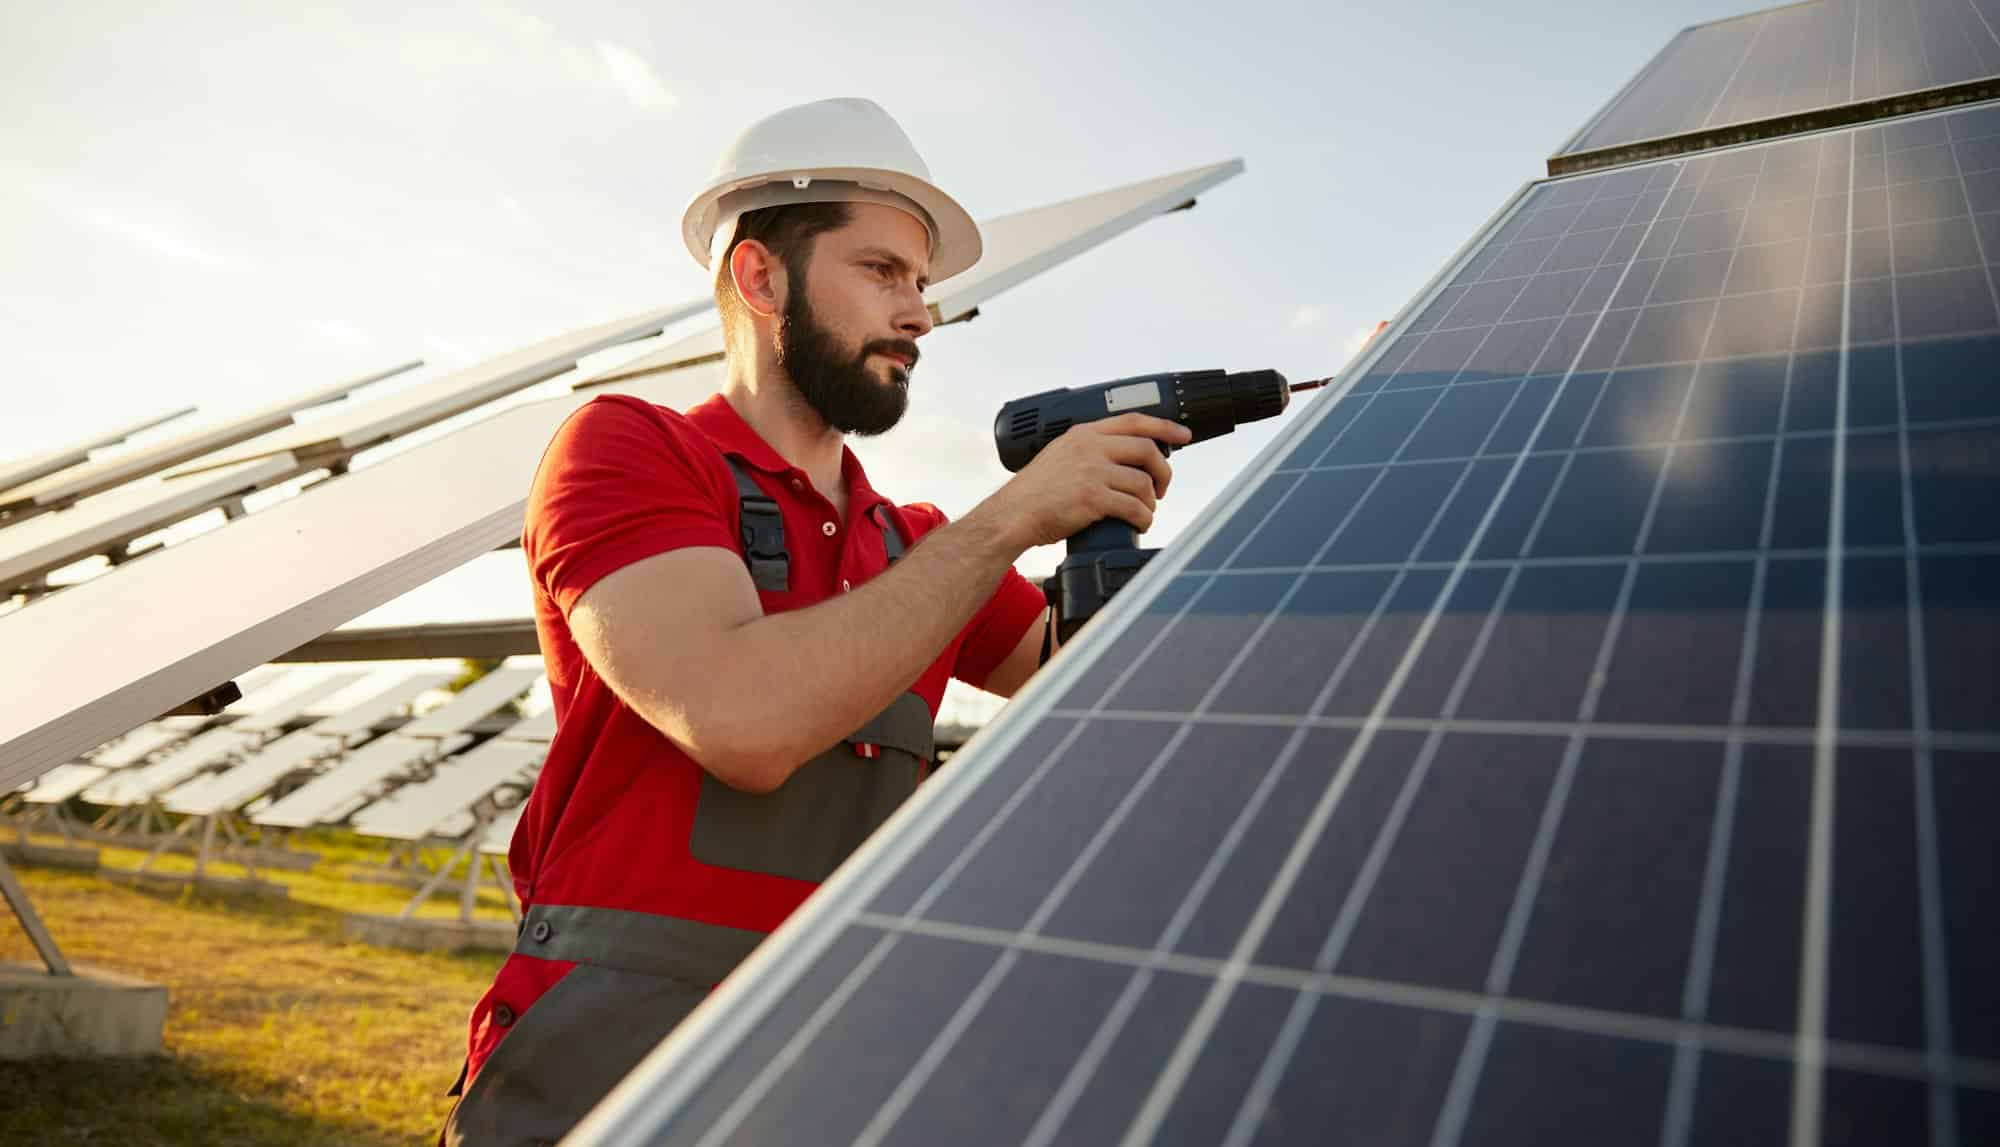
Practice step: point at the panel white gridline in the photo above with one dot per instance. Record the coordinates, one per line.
(904, 912)
(20, 473)
(120, 468)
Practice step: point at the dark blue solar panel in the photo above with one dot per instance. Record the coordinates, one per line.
(1798, 59)
(1584, 727)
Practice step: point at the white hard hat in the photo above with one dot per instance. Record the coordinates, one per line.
(831, 151)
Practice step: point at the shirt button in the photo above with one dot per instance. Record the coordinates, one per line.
(503, 1016)
(844, 587)
(798, 485)
(827, 528)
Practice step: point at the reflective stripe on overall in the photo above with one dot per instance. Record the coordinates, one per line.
(638, 975)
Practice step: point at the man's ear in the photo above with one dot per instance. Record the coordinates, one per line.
(760, 277)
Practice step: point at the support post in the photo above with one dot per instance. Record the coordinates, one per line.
(24, 911)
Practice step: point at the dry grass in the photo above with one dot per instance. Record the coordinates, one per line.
(278, 1030)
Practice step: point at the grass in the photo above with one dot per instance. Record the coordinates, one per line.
(278, 1029)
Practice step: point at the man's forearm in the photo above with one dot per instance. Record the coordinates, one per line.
(792, 684)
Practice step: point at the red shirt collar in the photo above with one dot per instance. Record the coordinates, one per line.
(714, 417)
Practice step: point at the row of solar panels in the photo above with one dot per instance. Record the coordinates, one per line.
(281, 769)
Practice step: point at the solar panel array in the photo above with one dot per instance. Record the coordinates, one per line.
(1583, 728)
(1797, 60)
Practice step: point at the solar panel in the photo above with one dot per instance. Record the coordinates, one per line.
(61, 489)
(61, 783)
(256, 775)
(363, 717)
(1579, 728)
(354, 776)
(20, 473)
(47, 542)
(371, 423)
(1820, 64)
(419, 810)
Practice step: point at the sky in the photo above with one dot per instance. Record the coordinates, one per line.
(219, 204)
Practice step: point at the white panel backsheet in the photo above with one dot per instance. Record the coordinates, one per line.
(51, 541)
(270, 582)
(419, 810)
(118, 469)
(419, 406)
(1026, 243)
(36, 467)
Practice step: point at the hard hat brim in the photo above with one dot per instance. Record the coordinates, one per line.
(957, 247)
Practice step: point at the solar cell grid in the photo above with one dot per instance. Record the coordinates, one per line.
(1794, 61)
(1481, 776)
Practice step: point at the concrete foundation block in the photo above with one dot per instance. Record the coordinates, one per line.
(402, 878)
(49, 855)
(94, 1013)
(228, 885)
(429, 935)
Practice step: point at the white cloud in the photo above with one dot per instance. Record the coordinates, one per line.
(634, 76)
(1305, 315)
(142, 229)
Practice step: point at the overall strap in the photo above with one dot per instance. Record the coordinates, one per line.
(892, 538)
(762, 527)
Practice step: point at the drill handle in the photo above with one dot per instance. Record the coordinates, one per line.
(1104, 535)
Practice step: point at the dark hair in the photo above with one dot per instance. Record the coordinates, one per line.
(788, 231)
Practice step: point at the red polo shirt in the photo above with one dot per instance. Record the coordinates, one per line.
(609, 820)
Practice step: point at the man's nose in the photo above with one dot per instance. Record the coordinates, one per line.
(915, 321)
(913, 314)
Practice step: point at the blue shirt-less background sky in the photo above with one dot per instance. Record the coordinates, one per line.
(216, 205)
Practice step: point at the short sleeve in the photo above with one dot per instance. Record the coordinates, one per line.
(997, 628)
(621, 481)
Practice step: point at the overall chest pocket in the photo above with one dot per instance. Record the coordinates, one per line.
(819, 816)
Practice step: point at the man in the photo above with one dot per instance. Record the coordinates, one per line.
(747, 643)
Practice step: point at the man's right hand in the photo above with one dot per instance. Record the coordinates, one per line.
(1111, 468)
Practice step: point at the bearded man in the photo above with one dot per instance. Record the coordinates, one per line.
(745, 641)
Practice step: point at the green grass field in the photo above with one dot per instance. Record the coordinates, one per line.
(278, 1030)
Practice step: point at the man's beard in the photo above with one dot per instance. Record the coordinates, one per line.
(837, 387)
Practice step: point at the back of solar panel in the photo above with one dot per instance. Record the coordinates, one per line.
(1583, 726)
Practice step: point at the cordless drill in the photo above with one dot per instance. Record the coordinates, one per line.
(1105, 555)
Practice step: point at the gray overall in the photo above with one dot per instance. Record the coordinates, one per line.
(638, 975)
